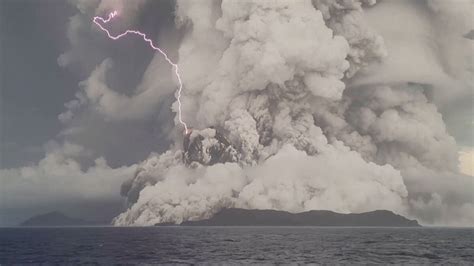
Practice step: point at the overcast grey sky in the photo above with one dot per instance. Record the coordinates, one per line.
(33, 86)
(34, 89)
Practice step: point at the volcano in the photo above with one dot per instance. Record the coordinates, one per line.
(207, 147)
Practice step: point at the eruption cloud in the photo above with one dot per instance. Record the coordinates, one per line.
(152, 46)
(301, 105)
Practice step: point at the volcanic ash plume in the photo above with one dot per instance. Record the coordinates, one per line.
(276, 127)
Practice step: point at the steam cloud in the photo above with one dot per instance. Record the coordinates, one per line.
(327, 107)
(271, 74)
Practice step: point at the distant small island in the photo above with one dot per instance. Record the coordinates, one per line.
(243, 217)
(55, 219)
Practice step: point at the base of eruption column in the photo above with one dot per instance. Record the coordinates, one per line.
(207, 147)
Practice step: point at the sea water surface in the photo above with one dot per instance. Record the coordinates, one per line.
(241, 245)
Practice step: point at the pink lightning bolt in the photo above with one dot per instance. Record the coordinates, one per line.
(152, 45)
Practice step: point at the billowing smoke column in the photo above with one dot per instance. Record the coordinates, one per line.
(277, 127)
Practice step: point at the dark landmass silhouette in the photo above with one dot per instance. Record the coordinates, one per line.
(243, 217)
(56, 219)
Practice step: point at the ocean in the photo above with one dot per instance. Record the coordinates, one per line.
(238, 245)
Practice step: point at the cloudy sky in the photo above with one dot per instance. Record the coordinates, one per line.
(79, 112)
(35, 88)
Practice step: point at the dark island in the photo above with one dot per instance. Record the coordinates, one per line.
(243, 217)
(55, 219)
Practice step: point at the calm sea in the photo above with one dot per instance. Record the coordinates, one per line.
(240, 245)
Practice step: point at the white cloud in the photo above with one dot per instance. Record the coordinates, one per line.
(290, 180)
(59, 179)
(466, 161)
(271, 76)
